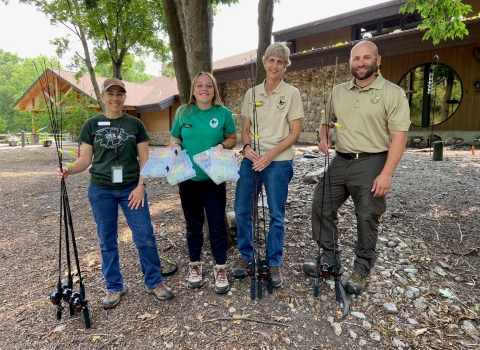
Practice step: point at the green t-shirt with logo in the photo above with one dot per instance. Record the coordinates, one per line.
(102, 134)
(200, 130)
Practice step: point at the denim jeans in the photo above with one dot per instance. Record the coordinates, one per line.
(197, 196)
(105, 202)
(275, 178)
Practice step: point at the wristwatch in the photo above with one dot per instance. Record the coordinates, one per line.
(142, 183)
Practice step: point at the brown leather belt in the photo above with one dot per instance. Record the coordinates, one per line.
(357, 155)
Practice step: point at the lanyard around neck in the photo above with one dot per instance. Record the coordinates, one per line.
(115, 140)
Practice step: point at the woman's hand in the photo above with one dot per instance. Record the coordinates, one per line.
(136, 197)
(61, 175)
(262, 162)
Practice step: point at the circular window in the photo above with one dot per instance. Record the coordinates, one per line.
(434, 93)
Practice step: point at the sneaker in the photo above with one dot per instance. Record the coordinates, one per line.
(162, 292)
(241, 268)
(113, 298)
(195, 274)
(310, 269)
(276, 274)
(221, 279)
(356, 283)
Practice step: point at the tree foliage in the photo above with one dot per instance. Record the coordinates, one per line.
(17, 75)
(442, 19)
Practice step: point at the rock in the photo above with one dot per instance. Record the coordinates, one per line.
(470, 328)
(420, 303)
(313, 177)
(231, 220)
(412, 271)
(375, 336)
(390, 308)
(353, 334)
(398, 342)
(359, 315)
(362, 342)
(287, 341)
(337, 328)
(438, 270)
(423, 246)
(366, 325)
(391, 244)
(451, 276)
(382, 242)
(412, 321)
(402, 245)
(444, 265)
(330, 319)
(310, 155)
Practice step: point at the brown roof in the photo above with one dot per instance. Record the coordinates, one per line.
(237, 60)
(157, 93)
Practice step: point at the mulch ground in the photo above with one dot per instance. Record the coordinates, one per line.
(435, 203)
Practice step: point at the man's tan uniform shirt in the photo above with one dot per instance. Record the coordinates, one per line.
(282, 106)
(364, 116)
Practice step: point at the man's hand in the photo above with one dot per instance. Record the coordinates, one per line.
(381, 185)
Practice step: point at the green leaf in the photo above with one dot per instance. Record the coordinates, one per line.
(446, 293)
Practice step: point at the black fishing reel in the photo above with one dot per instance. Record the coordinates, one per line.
(66, 294)
(263, 270)
(326, 271)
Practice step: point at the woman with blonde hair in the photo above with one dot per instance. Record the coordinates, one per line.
(199, 125)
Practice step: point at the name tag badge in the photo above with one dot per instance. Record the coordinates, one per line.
(104, 123)
(117, 174)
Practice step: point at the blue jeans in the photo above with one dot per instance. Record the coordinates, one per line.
(275, 178)
(105, 202)
(197, 196)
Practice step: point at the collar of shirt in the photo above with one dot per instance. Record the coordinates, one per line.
(376, 84)
(261, 88)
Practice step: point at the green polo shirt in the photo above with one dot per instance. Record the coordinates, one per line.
(200, 130)
(282, 106)
(366, 115)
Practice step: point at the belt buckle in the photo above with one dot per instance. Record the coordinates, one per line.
(356, 155)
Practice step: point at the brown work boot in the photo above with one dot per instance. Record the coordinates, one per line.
(113, 298)
(162, 292)
(221, 279)
(356, 283)
(195, 274)
(276, 274)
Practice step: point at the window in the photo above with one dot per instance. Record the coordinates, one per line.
(428, 109)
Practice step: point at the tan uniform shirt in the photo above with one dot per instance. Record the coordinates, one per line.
(365, 115)
(282, 106)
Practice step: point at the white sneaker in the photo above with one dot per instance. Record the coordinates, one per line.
(195, 274)
(221, 279)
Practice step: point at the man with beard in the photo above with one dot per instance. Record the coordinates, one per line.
(371, 118)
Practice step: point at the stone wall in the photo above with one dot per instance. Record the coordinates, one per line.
(310, 84)
(159, 138)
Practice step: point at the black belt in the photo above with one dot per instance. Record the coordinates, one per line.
(357, 155)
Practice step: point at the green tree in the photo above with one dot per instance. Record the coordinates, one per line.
(442, 19)
(17, 75)
(115, 27)
(132, 70)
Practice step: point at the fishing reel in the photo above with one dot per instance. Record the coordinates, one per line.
(326, 271)
(263, 270)
(66, 294)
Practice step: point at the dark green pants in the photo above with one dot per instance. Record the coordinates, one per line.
(349, 177)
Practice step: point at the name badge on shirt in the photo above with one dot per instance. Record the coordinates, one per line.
(104, 123)
(117, 174)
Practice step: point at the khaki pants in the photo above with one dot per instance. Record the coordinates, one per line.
(349, 177)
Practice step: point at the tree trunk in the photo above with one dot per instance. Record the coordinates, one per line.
(177, 46)
(91, 70)
(198, 16)
(265, 24)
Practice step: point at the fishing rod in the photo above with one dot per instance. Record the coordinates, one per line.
(259, 268)
(65, 293)
(324, 271)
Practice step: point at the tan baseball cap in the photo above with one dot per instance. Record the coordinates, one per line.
(112, 82)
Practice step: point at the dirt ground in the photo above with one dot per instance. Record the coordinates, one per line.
(432, 220)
